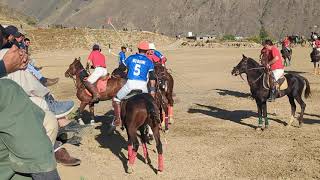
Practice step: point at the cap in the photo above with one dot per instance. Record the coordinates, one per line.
(12, 30)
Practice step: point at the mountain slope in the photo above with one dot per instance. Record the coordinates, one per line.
(245, 17)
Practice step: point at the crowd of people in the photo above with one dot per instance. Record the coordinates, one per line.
(31, 118)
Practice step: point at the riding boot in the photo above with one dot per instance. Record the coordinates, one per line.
(117, 113)
(93, 90)
(273, 91)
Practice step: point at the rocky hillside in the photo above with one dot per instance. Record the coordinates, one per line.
(50, 39)
(237, 17)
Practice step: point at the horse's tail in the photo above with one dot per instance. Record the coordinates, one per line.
(152, 111)
(307, 92)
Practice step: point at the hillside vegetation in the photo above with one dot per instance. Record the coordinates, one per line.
(219, 17)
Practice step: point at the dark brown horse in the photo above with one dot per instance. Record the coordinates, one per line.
(255, 76)
(113, 86)
(137, 113)
(165, 82)
(165, 85)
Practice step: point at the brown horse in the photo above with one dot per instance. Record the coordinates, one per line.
(113, 86)
(137, 113)
(165, 85)
(165, 82)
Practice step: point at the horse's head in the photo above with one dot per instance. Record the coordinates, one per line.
(119, 73)
(241, 67)
(161, 73)
(74, 67)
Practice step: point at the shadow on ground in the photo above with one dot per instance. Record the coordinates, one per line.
(235, 116)
(294, 72)
(226, 92)
(314, 120)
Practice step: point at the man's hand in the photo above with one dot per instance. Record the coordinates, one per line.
(15, 59)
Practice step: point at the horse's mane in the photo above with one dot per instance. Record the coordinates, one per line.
(252, 62)
(79, 64)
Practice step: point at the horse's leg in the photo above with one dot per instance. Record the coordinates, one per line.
(132, 147)
(293, 110)
(91, 107)
(156, 132)
(260, 121)
(169, 95)
(81, 109)
(144, 139)
(303, 107)
(264, 110)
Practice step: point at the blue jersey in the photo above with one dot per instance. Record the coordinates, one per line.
(139, 67)
(122, 57)
(158, 54)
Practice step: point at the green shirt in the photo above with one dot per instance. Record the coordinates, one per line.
(24, 145)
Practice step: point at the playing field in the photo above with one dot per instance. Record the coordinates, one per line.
(213, 136)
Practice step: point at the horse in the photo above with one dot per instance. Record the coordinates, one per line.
(113, 85)
(137, 113)
(286, 54)
(315, 59)
(256, 79)
(166, 83)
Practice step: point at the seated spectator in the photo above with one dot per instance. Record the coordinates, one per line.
(21, 156)
(15, 37)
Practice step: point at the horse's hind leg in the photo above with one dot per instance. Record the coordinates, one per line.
(293, 110)
(303, 107)
(144, 138)
(91, 107)
(133, 147)
(156, 133)
(80, 113)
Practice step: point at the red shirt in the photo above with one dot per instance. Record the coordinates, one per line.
(153, 57)
(286, 43)
(97, 59)
(317, 43)
(278, 64)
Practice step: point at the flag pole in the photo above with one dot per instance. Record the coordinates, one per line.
(110, 23)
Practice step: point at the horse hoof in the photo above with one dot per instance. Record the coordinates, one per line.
(159, 172)
(300, 125)
(171, 120)
(258, 129)
(92, 122)
(81, 121)
(130, 170)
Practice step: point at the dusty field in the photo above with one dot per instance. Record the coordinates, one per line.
(213, 137)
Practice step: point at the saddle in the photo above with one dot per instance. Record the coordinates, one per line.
(133, 93)
(101, 85)
(281, 84)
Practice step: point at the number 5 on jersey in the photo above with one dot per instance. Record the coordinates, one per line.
(137, 70)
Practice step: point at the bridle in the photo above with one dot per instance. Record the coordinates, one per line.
(250, 69)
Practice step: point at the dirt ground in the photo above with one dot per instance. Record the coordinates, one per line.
(213, 136)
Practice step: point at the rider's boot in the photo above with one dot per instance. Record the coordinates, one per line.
(93, 90)
(273, 91)
(117, 113)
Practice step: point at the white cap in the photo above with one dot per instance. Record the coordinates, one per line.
(152, 46)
